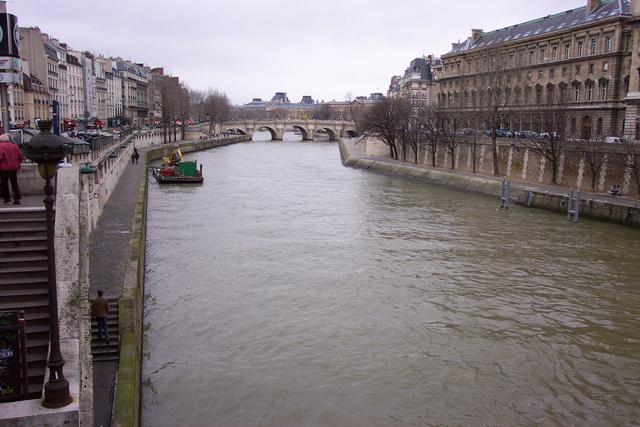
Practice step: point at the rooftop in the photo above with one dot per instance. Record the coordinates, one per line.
(551, 23)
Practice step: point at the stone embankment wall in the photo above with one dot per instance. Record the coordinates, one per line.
(622, 211)
(128, 388)
(518, 162)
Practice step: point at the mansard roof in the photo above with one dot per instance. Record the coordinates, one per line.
(549, 24)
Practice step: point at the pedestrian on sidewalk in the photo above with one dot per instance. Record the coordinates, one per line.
(100, 310)
(136, 154)
(10, 161)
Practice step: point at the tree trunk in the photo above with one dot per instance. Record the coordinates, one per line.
(453, 159)
(433, 154)
(474, 157)
(494, 153)
(554, 172)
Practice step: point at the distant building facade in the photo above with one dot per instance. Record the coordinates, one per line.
(587, 57)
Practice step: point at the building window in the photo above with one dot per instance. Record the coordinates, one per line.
(580, 48)
(529, 75)
(532, 57)
(564, 72)
(551, 73)
(599, 127)
(577, 70)
(576, 93)
(603, 91)
(590, 68)
(605, 66)
(607, 43)
(540, 75)
(627, 42)
(567, 51)
(554, 53)
(542, 55)
(590, 92)
(594, 46)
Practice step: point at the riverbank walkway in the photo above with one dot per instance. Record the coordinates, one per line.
(109, 248)
(355, 150)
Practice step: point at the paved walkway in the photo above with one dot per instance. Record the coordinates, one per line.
(108, 249)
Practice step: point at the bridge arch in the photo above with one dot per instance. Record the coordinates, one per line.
(272, 131)
(351, 133)
(302, 130)
(329, 131)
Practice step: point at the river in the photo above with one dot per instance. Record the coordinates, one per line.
(289, 290)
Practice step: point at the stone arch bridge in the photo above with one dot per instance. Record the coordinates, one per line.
(335, 129)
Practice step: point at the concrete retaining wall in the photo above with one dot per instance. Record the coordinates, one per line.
(517, 161)
(126, 411)
(625, 213)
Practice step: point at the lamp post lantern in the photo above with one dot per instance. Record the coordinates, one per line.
(47, 150)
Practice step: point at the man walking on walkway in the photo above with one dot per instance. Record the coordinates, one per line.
(10, 160)
(100, 310)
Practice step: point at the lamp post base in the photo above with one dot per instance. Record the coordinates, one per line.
(56, 394)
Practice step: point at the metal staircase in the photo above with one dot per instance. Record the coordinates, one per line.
(24, 283)
(106, 351)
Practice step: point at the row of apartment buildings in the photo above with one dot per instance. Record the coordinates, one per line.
(588, 57)
(90, 89)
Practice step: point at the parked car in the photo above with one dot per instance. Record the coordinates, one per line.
(526, 134)
(549, 135)
(615, 140)
(504, 133)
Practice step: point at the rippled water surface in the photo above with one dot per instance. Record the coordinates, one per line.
(289, 290)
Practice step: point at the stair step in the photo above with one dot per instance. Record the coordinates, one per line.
(108, 350)
(23, 239)
(31, 229)
(34, 269)
(34, 248)
(4, 220)
(23, 305)
(99, 358)
(24, 281)
(9, 293)
(24, 259)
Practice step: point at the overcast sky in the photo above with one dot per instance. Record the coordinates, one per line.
(253, 48)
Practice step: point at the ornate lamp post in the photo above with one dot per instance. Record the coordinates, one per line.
(47, 150)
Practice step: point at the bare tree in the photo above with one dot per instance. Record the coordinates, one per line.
(322, 112)
(499, 73)
(175, 104)
(553, 142)
(216, 108)
(388, 120)
(449, 133)
(593, 152)
(196, 102)
(428, 119)
(629, 158)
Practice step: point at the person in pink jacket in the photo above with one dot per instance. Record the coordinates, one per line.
(10, 161)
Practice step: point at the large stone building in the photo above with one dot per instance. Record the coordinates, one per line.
(583, 56)
(417, 84)
(75, 87)
(135, 83)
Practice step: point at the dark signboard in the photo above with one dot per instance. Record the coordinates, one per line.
(9, 35)
(13, 369)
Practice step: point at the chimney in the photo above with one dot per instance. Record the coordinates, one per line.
(475, 35)
(592, 5)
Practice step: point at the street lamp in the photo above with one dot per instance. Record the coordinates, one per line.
(47, 150)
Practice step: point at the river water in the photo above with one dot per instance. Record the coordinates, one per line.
(289, 290)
